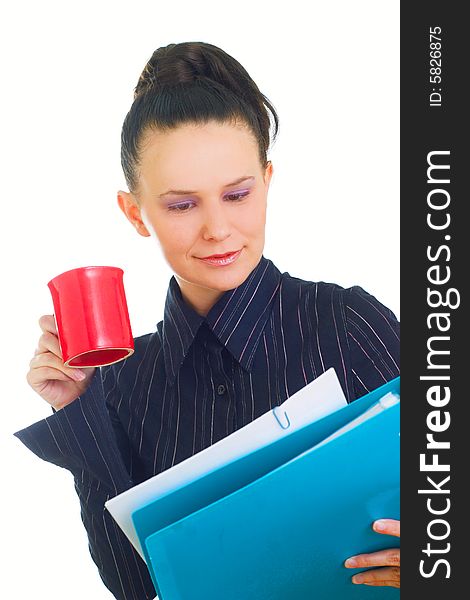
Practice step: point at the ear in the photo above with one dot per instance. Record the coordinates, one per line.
(268, 173)
(129, 206)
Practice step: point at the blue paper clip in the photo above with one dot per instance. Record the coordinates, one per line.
(279, 421)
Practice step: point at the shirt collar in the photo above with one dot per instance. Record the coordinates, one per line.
(237, 319)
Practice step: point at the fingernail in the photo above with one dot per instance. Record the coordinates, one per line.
(380, 525)
(78, 375)
(357, 579)
(351, 562)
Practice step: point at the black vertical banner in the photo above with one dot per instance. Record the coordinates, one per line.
(435, 259)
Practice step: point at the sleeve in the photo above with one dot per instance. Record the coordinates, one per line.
(87, 438)
(373, 333)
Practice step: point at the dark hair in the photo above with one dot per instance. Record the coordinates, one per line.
(192, 82)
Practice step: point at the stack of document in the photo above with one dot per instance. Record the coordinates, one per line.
(273, 510)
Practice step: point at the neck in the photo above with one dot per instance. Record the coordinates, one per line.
(199, 298)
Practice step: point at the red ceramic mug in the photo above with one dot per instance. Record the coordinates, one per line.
(91, 315)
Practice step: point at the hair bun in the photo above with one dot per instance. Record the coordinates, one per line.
(191, 62)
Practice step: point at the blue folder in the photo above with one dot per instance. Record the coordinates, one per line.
(280, 522)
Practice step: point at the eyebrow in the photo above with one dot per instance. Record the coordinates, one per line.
(183, 192)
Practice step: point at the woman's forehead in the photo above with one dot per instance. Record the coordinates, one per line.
(187, 156)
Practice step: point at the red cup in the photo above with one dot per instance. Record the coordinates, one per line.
(91, 315)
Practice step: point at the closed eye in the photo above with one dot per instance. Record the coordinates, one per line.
(183, 207)
(236, 197)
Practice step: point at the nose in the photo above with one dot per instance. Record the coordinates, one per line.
(216, 225)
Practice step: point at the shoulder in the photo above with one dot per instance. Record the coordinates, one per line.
(352, 308)
(365, 312)
(325, 294)
(358, 297)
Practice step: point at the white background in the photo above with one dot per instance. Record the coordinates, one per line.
(67, 79)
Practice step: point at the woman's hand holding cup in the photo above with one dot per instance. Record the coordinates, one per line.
(48, 376)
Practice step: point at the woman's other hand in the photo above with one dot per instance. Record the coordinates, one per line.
(388, 559)
(48, 376)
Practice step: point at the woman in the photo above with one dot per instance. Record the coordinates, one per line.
(237, 338)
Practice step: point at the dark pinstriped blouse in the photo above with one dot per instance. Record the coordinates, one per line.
(197, 379)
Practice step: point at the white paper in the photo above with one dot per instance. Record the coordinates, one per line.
(317, 399)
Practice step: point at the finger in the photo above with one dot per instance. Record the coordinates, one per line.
(39, 377)
(388, 526)
(47, 359)
(385, 576)
(47, 323)
(48, 342)
(381, 558)
(389, 583)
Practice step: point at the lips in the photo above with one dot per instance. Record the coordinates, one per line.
(220, 255)
(222, 260)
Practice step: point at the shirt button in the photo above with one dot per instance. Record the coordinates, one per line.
(221, 389)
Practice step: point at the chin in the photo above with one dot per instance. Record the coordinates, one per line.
(228, 278)
(221, 278)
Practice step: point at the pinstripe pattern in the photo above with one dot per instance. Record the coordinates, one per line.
(195, 380)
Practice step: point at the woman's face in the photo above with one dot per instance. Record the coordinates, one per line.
(202, 192)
